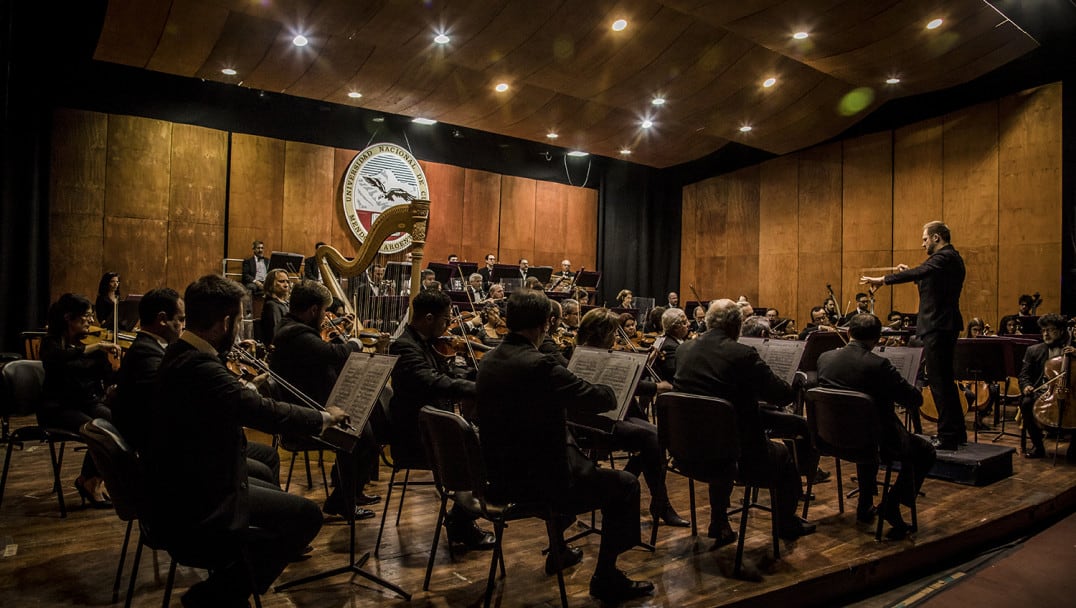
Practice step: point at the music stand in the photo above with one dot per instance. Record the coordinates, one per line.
(129, 312)
(441, 271)
(1016, 346)
(542, 273)
(289, 262)
(979, 360)
(588, 280)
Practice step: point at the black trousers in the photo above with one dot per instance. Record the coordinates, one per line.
(263, 462)
(639, 436)
(914, 451)
(792, 428)
(938, 350)
(615, 493)
(72, 420)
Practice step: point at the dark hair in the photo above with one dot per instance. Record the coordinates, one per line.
(861, 295)
(815, 309)
(1053, 320)
(428, 273)
(865, 326)
(653, 320)
(625, 317)
(430, 302)
(555, 311)
(161, 299)
(68, 306)
(309, 293)
(893, 313)
(337, 306)
(211, 298)
(938, 228)
(102, 286)
(252, 246)
(776, 312)
(486, 308)
(527, 309)
(597, 327)
(1026, 299)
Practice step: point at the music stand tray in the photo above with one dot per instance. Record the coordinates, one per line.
(542, 273)
(817, 343)
(290, 262)
(980, 360)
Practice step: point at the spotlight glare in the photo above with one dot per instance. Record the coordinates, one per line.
(228, 72)
(625, 151)
(578, 153)
(424, 121)
(619, 25)
(552, 135)
(800, 35)
(354, 94)
(647, 124)
(745, 129)
(441, 39)
(658, 101)
(769, 82)
(893, 80)
(299, 40)
(935, 24)
(501, 88)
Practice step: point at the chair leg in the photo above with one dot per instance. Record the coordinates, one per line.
(385, 512)
(403, 492)
(885, 497)
(168, 586)
(436, 537)
(654, 530)
(691, 497)
(7, 465)
(498, 533)
(807, 496)
(291, 469)
(324, 477)
(554, 547)
(774, 524)
(743, 529)
(56, 462)
(915, 500)
(309, 477)
(134, 571)
(840, 485)
(123, 558)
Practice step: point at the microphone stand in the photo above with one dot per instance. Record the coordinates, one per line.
(347, 481)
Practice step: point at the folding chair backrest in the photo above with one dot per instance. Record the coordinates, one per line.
(118, 465)
(23, 380)
(453, 450)
(842, 420)
(694, 428)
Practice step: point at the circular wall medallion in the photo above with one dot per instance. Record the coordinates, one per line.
(380, 177)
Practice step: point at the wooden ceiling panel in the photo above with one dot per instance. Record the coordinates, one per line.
(568, 71)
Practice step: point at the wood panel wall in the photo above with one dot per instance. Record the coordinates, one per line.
(991, 171)
(163, 203)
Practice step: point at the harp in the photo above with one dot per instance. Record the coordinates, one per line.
(374, 313)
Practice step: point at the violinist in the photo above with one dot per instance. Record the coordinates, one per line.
(631, 328)
(75, 379)
(108, 295)
(306, 361)
(756, 327)
(976, 328)
(493, 328)
(200, 495)
(555, 343)
(570, 321)
(653, 320)
(277, 291)
(819, 322)
(698, 321)
(675, 326)
(1055, 342)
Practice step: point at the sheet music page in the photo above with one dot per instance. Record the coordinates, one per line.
(782, 356)
(905, 358)
(359, 384)
(618, 370)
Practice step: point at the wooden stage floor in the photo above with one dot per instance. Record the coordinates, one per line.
(50, 561)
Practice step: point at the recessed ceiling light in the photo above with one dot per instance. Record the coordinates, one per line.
(625, 151)
(619, 25)
(501, 88)
(745, 128)
(658, 101)
(769, 82)
(228, 72)
(424, 121)
(935, 24)
(799, 35)
(441, 39)
(378, 119)
(299, 40)
(893, 80)
(354, 94)
(552, 135)
(578, 153)
(647, 124)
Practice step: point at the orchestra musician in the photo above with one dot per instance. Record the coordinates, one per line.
(554, 343)
(624, 299)
(755, 327)
(306, 361)
(76, 376)
(717, 365)
(1011, 324)
(1055, 342)
(429, 277)
(524, 267)
(453, 258)
(940, 279)
(277, 292)
(833, 312)
(863, 306)
(255, 268)
(698, 321)
(487, 271)
(200, 498)
(673, 300)
(419, 378)
(311, 271)
(819, 322)
(675, 326)
(108, 294)
(523, 398)
(570, 321)
(855, 367)
(474, 286)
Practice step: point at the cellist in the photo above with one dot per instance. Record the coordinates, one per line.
(1055, 342)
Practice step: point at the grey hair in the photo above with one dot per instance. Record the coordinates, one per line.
(726, 314)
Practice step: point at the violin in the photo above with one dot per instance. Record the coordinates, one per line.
(334, 327)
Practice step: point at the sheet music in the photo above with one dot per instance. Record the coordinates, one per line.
(783, 356)
(359, 384)
(905, 358)
(618, 370)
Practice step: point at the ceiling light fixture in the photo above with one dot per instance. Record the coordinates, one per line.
(647, 123)
(619, 25)
(745, 129)
(625, 151)
(658, 101)
(441, 39)
(228, 72)
(424, 121)
(501, 88)
(892, 80)
(552, 135)
(299, 40)
(935, 24)
(354, 94)
(578, 153)
(800, 35)
(769, 82)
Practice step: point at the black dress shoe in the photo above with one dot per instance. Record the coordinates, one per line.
(470, 536)
(796, 529)
(722, 535)
(943, 444)
(569, 556)
(866, 515)
(365, 500)
(899, 529)
(617, 588)
(821, 476)
(338, 508)
(1035, 452)
(669, 517)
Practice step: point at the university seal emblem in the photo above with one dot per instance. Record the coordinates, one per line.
(379, 177)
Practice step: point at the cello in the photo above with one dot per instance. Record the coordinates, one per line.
(1053, 408)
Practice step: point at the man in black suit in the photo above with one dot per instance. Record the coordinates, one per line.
(162, 314)
(940, 280)
(1055, 342)
(312, 365)
(675, 325)
(855, 367)
(255, 268)
(310, 265)
(201, 501)
(715, 364)
(530, 456)
(487, 271)
(419, 378)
